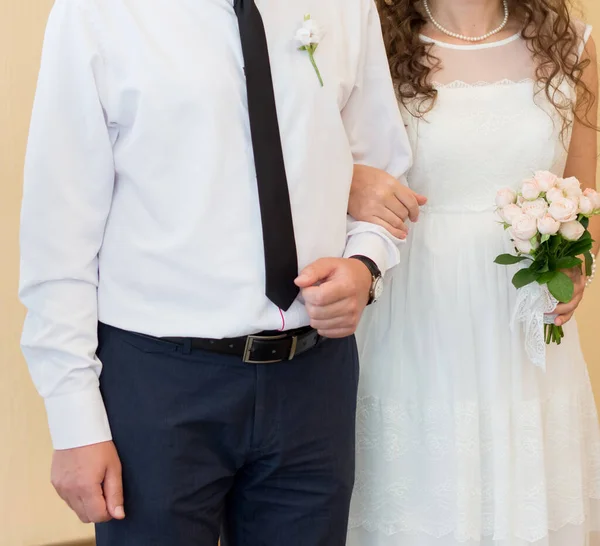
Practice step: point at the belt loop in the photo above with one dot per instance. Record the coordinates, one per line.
(186, 348)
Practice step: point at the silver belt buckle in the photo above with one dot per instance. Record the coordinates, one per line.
(250, 342)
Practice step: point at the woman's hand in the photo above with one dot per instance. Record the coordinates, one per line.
(377, 197)
(565, 311)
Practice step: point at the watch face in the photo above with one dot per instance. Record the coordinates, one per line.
(377, 289)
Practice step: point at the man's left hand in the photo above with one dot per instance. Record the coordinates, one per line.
(336, 292)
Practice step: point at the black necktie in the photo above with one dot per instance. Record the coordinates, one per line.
(281, 261)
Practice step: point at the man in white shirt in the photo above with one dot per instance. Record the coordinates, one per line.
(168, 207)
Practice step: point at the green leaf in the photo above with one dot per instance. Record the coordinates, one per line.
(545, 238)
(509, 259)
(540, 264)
(545, 278)
(302, 48)
(568, 262)
(524, 277)
(555, 242)
(589, 261)
(579, 247)
(542, 253)
(561, 287)
(585, 222)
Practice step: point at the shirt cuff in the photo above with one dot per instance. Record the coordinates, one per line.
(372, 245)
(78, 419)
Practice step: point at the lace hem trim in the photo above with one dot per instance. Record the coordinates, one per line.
(549, 450)
(390, 530)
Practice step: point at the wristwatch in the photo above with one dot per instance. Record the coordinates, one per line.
(377, 278)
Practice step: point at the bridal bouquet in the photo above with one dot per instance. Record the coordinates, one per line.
(547, 220)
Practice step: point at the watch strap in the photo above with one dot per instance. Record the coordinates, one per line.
(375, 274)
(370, 264)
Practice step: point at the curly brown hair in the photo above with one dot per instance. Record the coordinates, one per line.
(548, 28)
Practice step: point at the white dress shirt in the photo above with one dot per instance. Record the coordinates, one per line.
(140, 202)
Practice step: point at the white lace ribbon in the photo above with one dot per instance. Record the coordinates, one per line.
(534, 304)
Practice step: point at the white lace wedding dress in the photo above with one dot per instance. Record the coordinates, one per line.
(461, 439)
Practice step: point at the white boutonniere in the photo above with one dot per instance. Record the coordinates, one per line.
(309, 35)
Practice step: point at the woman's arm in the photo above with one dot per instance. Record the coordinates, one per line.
(583, 152)
(582, 164)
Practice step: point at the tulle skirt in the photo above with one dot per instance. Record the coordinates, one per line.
(461, 440)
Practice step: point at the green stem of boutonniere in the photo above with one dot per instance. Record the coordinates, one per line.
(311, 55)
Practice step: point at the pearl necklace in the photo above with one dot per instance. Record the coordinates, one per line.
(462, 36)
(591, 277)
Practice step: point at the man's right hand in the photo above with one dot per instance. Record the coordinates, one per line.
(88, 479)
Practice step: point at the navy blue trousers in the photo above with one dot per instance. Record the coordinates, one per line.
(259, 455)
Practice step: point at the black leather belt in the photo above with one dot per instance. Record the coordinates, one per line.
(264, 348)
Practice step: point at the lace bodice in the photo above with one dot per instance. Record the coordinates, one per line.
(490, 127)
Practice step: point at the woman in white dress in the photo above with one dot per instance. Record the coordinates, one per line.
(461, 440)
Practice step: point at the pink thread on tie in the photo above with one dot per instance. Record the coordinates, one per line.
(282, 321)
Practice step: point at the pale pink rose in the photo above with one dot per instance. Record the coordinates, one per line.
(524, 227)
(593, 196)
(572, 231)
(570, 187)
(530, 189)
(537, 208)
(505, 196)
(586, 206)
(563, 210)
(545, 180)
(554, 194)
(548, 225)
(520, 200)
(526, 247)
(510, 212)
(571, 183)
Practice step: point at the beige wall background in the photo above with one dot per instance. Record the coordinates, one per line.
(30, 513)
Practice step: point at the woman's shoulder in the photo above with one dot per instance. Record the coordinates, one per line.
(584, 33)
(582, 28)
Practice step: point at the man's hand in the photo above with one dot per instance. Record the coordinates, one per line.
(336, 292)
(378, 198)
(565, 311)
(88, 479)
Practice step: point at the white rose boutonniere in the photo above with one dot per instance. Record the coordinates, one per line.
(309, 35)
